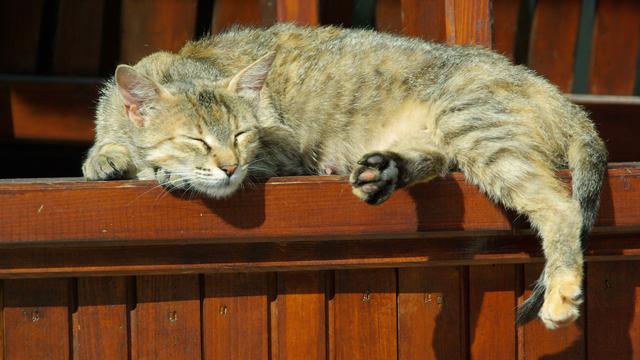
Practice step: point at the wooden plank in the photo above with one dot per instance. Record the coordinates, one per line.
(166, 319)
(538, 342)
(616, 37)
(78, 39)
(235, 315)
(243, 12)
(431, 309)
(51, 110)
(2, 331)
(388, 16)
(554, 35)
(297, 11)
(56, 212)
(469, 22)
(613, 310)
(19, 35)
(492, 302)
(425, 19)
(36, 319)
(365, 316)
(505, 25)
(152, 25)
(300, 310)
(100, 323)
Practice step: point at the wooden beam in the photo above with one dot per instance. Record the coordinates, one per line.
(469, 22)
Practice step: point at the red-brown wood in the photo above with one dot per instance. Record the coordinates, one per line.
(100, 324)
(365, 315)
(613, 310)
(50, 111)
(469, 22)
(388, 16)
(300, 311)
(554, 35)
(616, 38)
(2, 331)
(19, 35)
(424, 18)
(538, 342)
(36, 319)
(492, 302)
(431, 309)
(242, 12)
(297, 11)
(152, 25)
(166, 319)
(505, 25)
(235, 316)
(78, 41)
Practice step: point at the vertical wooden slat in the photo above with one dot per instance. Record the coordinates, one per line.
(100, 322)
(36, 319)
(152, 25)
(78, 40)
(492, 302)
(301, 315)
(538, 342)
(553, 40)
(19, 35)
(230, 12)
(430, 313)
(613, 310)
(424, 18)
(166, 320)
(365, 316)
(616, 37)
(2, 332)
(505, 25)
(468, 22)
(388, 16)
(235, 315)
(297, 11)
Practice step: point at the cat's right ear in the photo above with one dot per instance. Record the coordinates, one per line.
(136, 90)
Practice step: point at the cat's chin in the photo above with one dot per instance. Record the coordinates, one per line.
(219, 189)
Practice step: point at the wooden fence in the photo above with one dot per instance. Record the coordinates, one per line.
(295, 268)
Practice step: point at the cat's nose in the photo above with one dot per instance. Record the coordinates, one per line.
(229, 169)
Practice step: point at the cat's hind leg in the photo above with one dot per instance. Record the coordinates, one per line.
(378, 174)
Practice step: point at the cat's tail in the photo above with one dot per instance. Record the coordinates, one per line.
(587, 159)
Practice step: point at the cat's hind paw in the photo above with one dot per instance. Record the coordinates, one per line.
(110, 163)
(375, 178)
(561, 302)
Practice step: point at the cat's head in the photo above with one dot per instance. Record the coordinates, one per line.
(197, 135)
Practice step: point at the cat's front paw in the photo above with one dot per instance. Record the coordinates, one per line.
(109, 163)
(375, 178)
(561, 301)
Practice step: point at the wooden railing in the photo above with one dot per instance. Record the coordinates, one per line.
(295, 267)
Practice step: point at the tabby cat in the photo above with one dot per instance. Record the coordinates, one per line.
(386, 110)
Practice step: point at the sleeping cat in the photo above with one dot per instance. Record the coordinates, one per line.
(386, 110)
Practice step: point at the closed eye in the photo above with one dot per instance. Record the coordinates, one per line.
(201, 141)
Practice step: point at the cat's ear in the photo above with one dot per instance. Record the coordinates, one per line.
(137, 90)
(249, 81)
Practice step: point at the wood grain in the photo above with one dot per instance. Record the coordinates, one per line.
(505, 25)
(152, 25)
(166, 319)
(19, 35)
(242, 12)
(365, 316)
(100, 324)
(538, 342)
(431, 309)
(492, 302)
(554, 35)
(424, 19)
(616, 38)
(296, 11)
(469, 22)
(36, 319)
(613, 310)
(78, 39)
(388, 16)
(235, 315)
(300, 311)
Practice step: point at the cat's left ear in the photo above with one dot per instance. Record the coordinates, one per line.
(249, 81)
(136, 91)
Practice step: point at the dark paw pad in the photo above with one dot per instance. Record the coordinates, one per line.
(375, 178)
